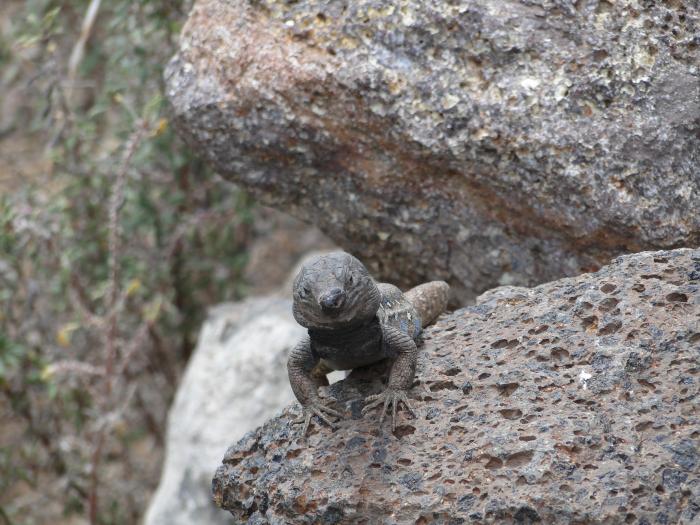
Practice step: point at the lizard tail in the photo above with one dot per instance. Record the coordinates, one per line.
(429, 300)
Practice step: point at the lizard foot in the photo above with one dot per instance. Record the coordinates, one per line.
(316, 409)
(389, 396)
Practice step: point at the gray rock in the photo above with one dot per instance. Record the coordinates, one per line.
(484, 142)
(235, 381)
(572, 402)
(280, 241)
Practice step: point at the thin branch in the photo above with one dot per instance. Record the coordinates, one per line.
(94, 477)
(134, 345)
(76, 294)
(115, 203)
(196, 219)
(112, 297)
(75, 367)
(76, 56)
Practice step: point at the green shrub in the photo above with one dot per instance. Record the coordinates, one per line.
(110, 250)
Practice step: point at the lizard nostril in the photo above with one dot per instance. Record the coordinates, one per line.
(333, 299)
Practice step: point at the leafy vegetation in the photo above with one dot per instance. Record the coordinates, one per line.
(112, 244)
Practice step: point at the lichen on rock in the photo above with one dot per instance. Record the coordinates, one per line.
(572, 402)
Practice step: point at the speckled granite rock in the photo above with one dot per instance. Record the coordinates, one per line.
(484, 142)
(572, 402)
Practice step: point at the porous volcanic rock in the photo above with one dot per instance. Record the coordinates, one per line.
(572, 402)
(484, 142)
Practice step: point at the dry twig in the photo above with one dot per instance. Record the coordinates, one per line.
(113, 309)
(78, 52)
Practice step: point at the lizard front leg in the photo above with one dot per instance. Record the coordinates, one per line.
(401, 376)
(300, 366)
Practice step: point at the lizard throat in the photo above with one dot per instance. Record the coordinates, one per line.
(333, 336)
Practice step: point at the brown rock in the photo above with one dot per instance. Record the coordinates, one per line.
(279, 242)
(480, 142)
(572, 402)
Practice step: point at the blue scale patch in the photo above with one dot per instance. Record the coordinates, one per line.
(416, 324)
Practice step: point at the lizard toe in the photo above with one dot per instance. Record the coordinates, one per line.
(404, 399)
(388, 398)
(329, 410)
(373, 402)
(320, 411)
(307, 420)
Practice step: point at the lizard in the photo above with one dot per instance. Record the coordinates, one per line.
(353, 321)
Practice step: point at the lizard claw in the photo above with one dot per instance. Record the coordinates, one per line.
(316, 409)
(389, 396)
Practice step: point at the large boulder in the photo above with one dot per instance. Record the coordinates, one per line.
(235, 381)
(572, 402)
(484, 142)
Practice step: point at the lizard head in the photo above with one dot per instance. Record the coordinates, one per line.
(333, 291)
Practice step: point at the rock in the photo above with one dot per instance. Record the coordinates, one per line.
(572, 402)
(478, 141)
(279, 242)
(235, 381)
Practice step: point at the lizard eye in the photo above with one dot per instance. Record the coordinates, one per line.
(350, 280)
(304, 292)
